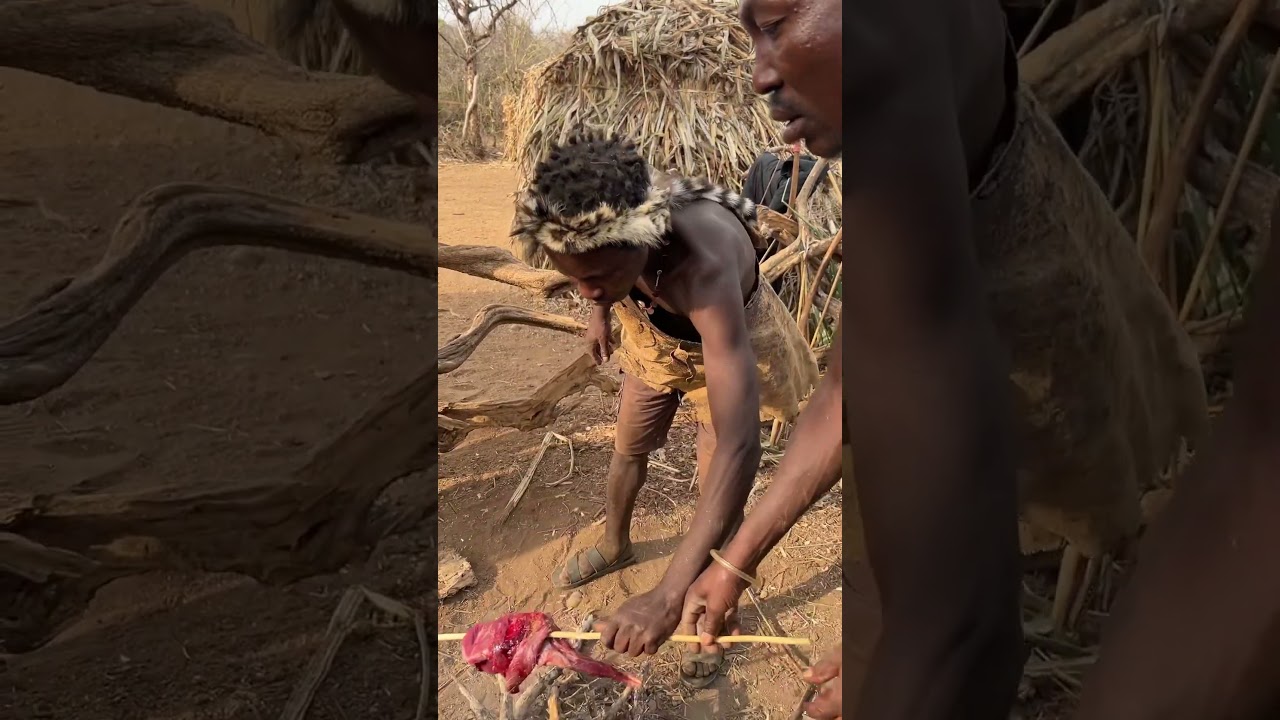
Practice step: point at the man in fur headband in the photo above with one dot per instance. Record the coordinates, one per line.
(675, 258)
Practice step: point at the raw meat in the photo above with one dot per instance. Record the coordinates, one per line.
(514, 644)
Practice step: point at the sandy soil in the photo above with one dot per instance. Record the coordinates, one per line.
(236, 363)
(514, 562)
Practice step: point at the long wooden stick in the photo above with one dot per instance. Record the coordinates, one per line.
(1164, 210)
(724, 640)
(1251, 135)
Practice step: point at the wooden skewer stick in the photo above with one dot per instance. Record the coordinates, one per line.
(723, 640)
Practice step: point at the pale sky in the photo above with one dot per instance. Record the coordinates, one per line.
(567, 14)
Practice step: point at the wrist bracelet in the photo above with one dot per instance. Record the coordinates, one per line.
(731, 568)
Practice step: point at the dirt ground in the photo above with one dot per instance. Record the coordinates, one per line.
(558, 515)
(234, 365)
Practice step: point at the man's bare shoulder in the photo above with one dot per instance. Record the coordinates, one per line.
(711, 226)
(717, 242)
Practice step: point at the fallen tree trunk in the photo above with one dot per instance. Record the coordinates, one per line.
(277, 530)
(500, 265)
(44, 347)
(173, 53)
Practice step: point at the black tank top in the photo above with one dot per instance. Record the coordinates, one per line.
(676, 326)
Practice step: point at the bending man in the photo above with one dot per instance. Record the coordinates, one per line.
(676, 259)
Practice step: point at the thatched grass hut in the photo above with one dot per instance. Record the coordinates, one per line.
(673, 75)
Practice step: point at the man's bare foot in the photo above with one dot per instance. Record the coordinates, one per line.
(592, 564)
(699, 666)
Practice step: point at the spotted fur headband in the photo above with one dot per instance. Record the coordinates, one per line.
(538, 226)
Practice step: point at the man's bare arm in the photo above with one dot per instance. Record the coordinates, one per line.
(1196, 633)
(716, 310)
(929, 417)
(809, 468)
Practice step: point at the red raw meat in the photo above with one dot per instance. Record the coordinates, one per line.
(514, 644)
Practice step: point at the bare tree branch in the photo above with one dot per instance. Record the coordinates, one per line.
(456, 420)
(1074, 59)
(452, 48)
(501, 266)
(456, 351)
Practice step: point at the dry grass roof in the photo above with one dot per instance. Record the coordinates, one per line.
(673, 75)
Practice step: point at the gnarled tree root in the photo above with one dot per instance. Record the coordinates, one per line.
(456, 351)
(456, 420)
(312, 521)
(173, 53)
(46, 345)
(42, 348)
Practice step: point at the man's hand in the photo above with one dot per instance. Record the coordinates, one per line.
(642, 624)
(711, 598)
(826, 705)
(599, 343)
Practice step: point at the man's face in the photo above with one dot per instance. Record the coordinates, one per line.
(798, 44)
(603, 276)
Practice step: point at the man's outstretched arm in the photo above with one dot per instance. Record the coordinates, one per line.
(809, 468)
(733, 393)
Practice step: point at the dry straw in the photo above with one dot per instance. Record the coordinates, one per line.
(673, 75)
(323, 45)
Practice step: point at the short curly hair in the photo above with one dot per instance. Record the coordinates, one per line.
(590, 170)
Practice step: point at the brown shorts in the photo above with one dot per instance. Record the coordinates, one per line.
(644, 417)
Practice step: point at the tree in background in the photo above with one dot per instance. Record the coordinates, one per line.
(517, 45)
(474, 23)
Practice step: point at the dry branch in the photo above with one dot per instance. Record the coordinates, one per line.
(341, 624)
(457, 350)
(1174, 176)
(537, 410)
(500, 265)
(1251, 137)
(44, 347)
(523, 486)
(802, 316)
(1254, 199)
(1072, 61)
(176, 54)
(775, 227)
(791, 256)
